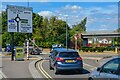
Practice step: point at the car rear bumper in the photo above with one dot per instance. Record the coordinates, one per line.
(69, 68)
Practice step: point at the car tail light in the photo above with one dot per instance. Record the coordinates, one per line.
(79, 58)
(59, 59)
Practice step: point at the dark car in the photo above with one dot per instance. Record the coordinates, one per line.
(110, 70)
(65, 59)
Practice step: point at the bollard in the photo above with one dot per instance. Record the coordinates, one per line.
(116, 50)
(27, 49)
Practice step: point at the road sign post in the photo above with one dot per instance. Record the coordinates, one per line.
(12, 56)
(19, 20)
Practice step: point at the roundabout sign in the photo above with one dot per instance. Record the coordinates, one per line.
(19, 19)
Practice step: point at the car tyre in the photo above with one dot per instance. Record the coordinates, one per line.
(51, 68)
(90, 78)
(56, 71)
(38, 53)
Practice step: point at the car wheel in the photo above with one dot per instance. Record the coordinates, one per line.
(51, 68)
(56, 70)
(38, 53)
(90, 78)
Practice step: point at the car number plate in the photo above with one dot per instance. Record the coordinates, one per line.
(69, 61)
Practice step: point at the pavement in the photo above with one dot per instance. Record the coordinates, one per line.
(19, 69)
(26, 68)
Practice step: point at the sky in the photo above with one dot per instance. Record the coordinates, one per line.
(101, 16)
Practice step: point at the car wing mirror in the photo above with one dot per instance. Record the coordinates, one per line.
(99, 68)
(50, 55)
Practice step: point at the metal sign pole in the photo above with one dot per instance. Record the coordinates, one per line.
(12, 56)
(19, 20)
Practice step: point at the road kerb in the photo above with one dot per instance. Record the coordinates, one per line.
(35, 74)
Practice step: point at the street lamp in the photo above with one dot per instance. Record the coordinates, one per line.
(66, 32)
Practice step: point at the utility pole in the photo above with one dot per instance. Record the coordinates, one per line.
(66, 32)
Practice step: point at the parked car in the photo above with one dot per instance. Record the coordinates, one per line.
(108, 71)
(65, 59)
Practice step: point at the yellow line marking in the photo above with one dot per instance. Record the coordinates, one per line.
(43, 71)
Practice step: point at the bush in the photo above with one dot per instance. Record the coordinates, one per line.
(100, 49)
(85, 49)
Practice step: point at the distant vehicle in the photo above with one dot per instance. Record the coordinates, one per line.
(65, 59)
(8, 48)
(108, 71)
(33, 51)
(54, 46)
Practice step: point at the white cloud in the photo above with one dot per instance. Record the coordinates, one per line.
(46, 13)
(96, 16)
(104, 26)
(74, 7)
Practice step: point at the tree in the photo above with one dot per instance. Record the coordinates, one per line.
(45, 31)
(77, 29)
(116, 41)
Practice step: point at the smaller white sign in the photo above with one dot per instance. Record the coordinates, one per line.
(19, 19)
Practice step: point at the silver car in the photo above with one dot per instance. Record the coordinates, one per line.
(108, 71)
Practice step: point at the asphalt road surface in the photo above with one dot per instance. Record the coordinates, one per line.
(43, 67)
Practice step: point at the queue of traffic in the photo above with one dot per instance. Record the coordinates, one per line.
(69, 59)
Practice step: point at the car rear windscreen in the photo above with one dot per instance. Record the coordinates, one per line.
(69, 54)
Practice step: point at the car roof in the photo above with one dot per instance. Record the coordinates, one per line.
(64, 50)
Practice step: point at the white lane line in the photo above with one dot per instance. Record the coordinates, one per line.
(92, 67)
(95, 58)
(2, 74)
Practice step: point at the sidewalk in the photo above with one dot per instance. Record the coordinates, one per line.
(17, 69)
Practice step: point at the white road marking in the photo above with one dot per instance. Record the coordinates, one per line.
(92, 67)
(95, 58)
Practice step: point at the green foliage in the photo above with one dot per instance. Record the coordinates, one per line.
(45, 31)
(116, 41)
(79, 28)
(0, 40)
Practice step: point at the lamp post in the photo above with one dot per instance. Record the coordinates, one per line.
(66, 32)
(28, 4)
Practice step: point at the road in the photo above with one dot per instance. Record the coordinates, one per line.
(89, 66)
